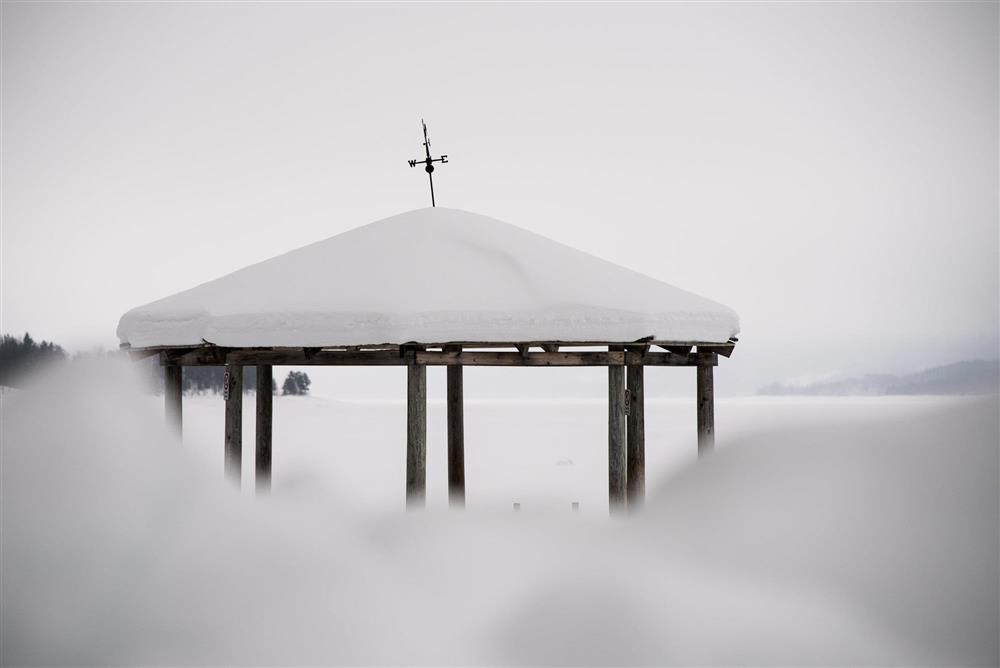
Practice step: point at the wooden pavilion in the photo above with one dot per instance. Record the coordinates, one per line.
(548, 305)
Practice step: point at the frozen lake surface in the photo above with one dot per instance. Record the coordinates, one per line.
(544, 454)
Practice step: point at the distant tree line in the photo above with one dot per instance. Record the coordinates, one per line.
(965, 377)
(203, 379)
(20, 356)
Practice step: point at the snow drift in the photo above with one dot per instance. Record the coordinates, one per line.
(430, 275)
(862, 544)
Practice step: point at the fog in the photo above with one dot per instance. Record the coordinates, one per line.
(828, 170)
(861, 542)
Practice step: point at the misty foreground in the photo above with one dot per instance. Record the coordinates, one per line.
(862, 541)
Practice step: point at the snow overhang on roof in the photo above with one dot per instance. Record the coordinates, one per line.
(430, 275)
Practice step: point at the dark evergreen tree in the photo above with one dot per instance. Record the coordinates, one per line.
(297, 383)
(20, 357)
(199, 379)
(203, 379)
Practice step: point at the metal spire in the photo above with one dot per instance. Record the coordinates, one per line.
(428, 161)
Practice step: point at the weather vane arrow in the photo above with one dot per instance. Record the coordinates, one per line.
(428, 162)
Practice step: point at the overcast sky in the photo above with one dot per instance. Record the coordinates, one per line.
(828, 170)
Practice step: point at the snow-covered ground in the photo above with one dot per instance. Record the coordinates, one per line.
(543, 454)
(822, 531)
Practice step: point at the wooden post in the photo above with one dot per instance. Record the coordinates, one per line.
(456, 438)
(706, 410)
(234, 421)
(416, 435)
(262, 473)
(636, 436)
(617, 461)
(173, 389)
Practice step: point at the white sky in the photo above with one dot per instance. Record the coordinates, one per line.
(828, 170)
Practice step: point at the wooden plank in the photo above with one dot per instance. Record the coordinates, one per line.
(318, 358)
(557, 359)
(173, 393)
(433, 358)
(635, 485)
(706, 410)
(724, 350)
(391, 354)
(440, 358)
(617, 458)
(233, 393)
(704, 358)
(677, 350)
(490, 358)
(416, 435)
(141, 354)
(551, 342)
(204, 356)
(456, 438)
(262, 470)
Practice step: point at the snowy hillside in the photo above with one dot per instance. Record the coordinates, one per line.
(967, 377)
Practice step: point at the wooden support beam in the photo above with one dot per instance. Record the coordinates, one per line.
(449, 356)
(456, 438)
(173, 389)
(262, 470)
(416, 435)
(233, 394)
(726, 350)
(706, 410)
(203, 356)
(542, 343)
(141, 354)
(677, 350)
(554, 359)
(704, 359)
(491, 358)
(617, 458)
(210, 354)
(636, 436)
(557, 342)
(319, 357)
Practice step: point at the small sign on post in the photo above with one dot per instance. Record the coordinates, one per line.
(628, 402)
(227, 383)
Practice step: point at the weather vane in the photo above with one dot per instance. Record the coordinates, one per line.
(428, 161)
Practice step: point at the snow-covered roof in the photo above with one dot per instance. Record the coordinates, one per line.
(432, 276)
